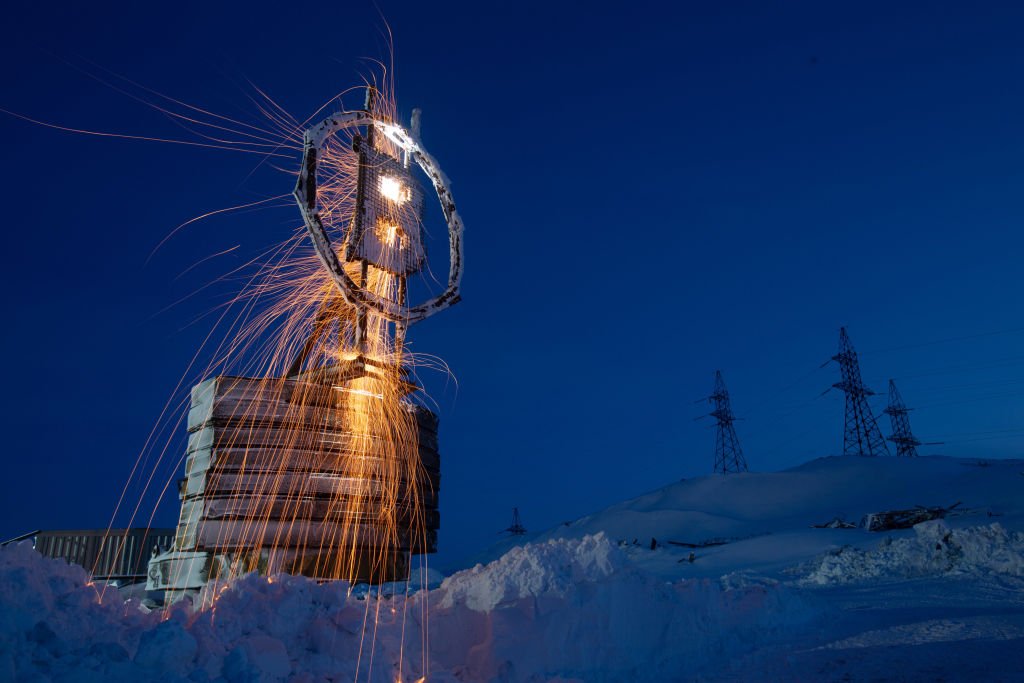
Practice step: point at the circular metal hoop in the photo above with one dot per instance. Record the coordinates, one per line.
(305, 195)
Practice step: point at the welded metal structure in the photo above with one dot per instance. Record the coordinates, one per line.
(271, 484)
(353, 292)
(861, 435)
(899, 415)
(728, 454)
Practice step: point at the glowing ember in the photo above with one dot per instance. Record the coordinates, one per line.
(393, 190)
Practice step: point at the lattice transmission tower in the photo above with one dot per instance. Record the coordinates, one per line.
(861, 435)
(906, 442)
(517, 528)
(728, 454)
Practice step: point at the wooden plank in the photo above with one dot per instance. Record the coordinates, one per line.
(323, 509)
(282, 437)
(302, 484)
(221, 535)
(199, 513)
(250, 507)
(225, 459)
(276, 402)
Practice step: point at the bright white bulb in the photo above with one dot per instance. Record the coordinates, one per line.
(391, 189)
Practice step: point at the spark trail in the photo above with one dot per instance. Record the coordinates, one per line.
(317, 467)
(322, 459)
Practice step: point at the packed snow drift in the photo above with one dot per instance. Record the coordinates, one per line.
(934, 550)
(718, 578)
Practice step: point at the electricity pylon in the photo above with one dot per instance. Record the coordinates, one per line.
(906, 442)
(861, 435)
(517, 528)
(728, 454)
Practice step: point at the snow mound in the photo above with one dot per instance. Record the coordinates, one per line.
(570, 610)
(579, 606)
(51, 615)
(550, 569)
(933, 550)
(576, 609)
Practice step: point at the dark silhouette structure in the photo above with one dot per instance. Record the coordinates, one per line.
(861, 435)
(728, 454)
(906, 442)
(517, 528)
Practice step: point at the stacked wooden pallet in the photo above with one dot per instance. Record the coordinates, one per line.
(270, 483)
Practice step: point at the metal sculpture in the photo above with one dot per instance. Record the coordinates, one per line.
(328, 470)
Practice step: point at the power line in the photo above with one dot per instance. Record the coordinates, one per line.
(934, 342)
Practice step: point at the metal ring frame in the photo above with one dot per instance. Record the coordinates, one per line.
(305, 195)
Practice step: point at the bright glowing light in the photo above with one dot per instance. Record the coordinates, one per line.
(393, 190)
(359, 392)
(391, 235)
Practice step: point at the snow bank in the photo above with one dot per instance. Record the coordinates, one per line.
(575, 606)
(934, 549)
(576, 609)
(550, 569)
(567, 609)
(54, 625)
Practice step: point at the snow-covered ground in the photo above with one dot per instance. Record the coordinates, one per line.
(593, 601)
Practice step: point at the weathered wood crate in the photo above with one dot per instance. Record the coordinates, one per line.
(275, 480)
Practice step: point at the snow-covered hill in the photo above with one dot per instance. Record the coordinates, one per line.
(766, 516)
(583, 602)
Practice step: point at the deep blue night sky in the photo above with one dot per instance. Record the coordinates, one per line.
(651, 192)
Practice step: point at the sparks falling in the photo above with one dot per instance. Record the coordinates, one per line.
(310, 448)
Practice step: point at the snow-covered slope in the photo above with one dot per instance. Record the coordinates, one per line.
(766, 517)
(754, 503)
(780, 601)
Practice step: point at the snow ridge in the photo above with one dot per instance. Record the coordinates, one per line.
(570, 610)
(933, 550)
(549, 568)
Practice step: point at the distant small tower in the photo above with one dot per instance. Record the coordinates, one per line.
(728, 454)
(861, 435)
(906, 442)
(517, 528)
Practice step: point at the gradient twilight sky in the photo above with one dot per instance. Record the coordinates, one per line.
(651, 192)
